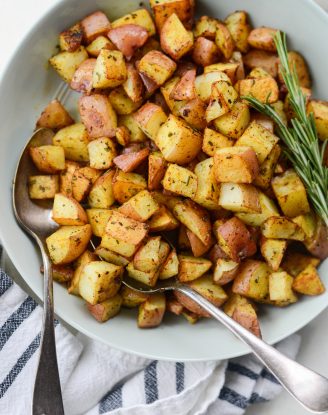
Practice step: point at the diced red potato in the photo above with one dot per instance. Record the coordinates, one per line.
(82, 79)
(243, 318)
(130, 161)
(185, 88)
(94, 25)
(128, 38)
(98, 116)
(205, 52)
(183, 67)
(197, 246)
(54, 116)
(174, 306)
(318, 244)
(149, 84)
(216, 252)
(190, 304)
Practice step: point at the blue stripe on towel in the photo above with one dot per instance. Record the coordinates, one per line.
(231, 396)
(112, 400)
(150, 378)
(5, 282)
(256, 398)
(16, 319)
(269, 376)
(179, 376)
(242, 370)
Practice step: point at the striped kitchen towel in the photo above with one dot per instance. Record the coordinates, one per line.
(97, 379)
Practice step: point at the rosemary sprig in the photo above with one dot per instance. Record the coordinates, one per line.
(301, 139)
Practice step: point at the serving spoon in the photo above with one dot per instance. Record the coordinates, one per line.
(306, 386)
(35, 218)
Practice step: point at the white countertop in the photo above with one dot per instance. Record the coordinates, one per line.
(17, 17)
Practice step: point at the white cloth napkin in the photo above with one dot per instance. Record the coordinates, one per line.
(97, 379)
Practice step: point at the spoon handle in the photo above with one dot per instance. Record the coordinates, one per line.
(307, 387)
(47, 396)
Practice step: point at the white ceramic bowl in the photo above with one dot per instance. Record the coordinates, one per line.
(28, 85)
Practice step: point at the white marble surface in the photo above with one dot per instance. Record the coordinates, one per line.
(17, 17)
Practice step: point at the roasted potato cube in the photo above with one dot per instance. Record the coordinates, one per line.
(242, 311)
(203, 83)
(79, 264)
(101, 153)
(225, 271)
(67, 211)
(206, 27)
(307, 222)
(252, 280)
(260, 139)
(268, 209)
(185, 88)
(170, 267)
(145, 277)
(297, 61)
(258, 73)
(263, 38)
(151, 312)
(195, 218)
(234, 123)
(66, 178)
(192, 311)
(260, 58)
(61, 273)
(133, 86)
(230, 69)
(193, 112)
(205, 52)
(94, 25)
(106, 309)
(68, 243)
(235, 239)
(212, 292)
(162, 220)
(157, 66)
(191, 268)
(166, 91)
(82, 181)
(130, 161)
(280, 288)
(223, 97)
(101, 195)
(54, 116)
(156, 170)
(267, 168)
(162, 9)
(122, 135)
(180, 180)
(48, 159)
(207, 192)
(99, 281)
(98, 116)
(264, 89)
(121, 102)
(74, 140)
(110, 69)
(239, 198)
(282, 228)
(147, 257)
(132, 298)
(273, 251)
(213, 140)
(140, 207)
(43, 187)
(149, 118)
(111, 256)
(140, 17)
(224, 41)
(174, 306)
(98, 219)
(197, 246)
(178, 142)
(66, 63)
(82, 79)
(308, 282)
(290, 193)
(71, 39)
(320, 113)
(237, 58)
(176, 41)
(235, 165)
(128, 38)
(126, 185)
(239, 29)
(318, 245)
(122, 234)
(101, 42)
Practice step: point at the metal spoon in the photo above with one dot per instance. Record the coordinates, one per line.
(307, 387)
(35, 218)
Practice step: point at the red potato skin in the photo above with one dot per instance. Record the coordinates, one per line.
(238, 238)
(94, 115)
(174, 306)
(183, 67)
(197, 246)
(54, 116)
(265, 60)
(97, 310)
(216, 253)
(94, 25)
(82, 79)
(190, 304)
(318, 246)
(128, 38)
(130, 161)
(149, 84)
(205, 52)
(156, 172)
(250, 324)
(185, 88)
